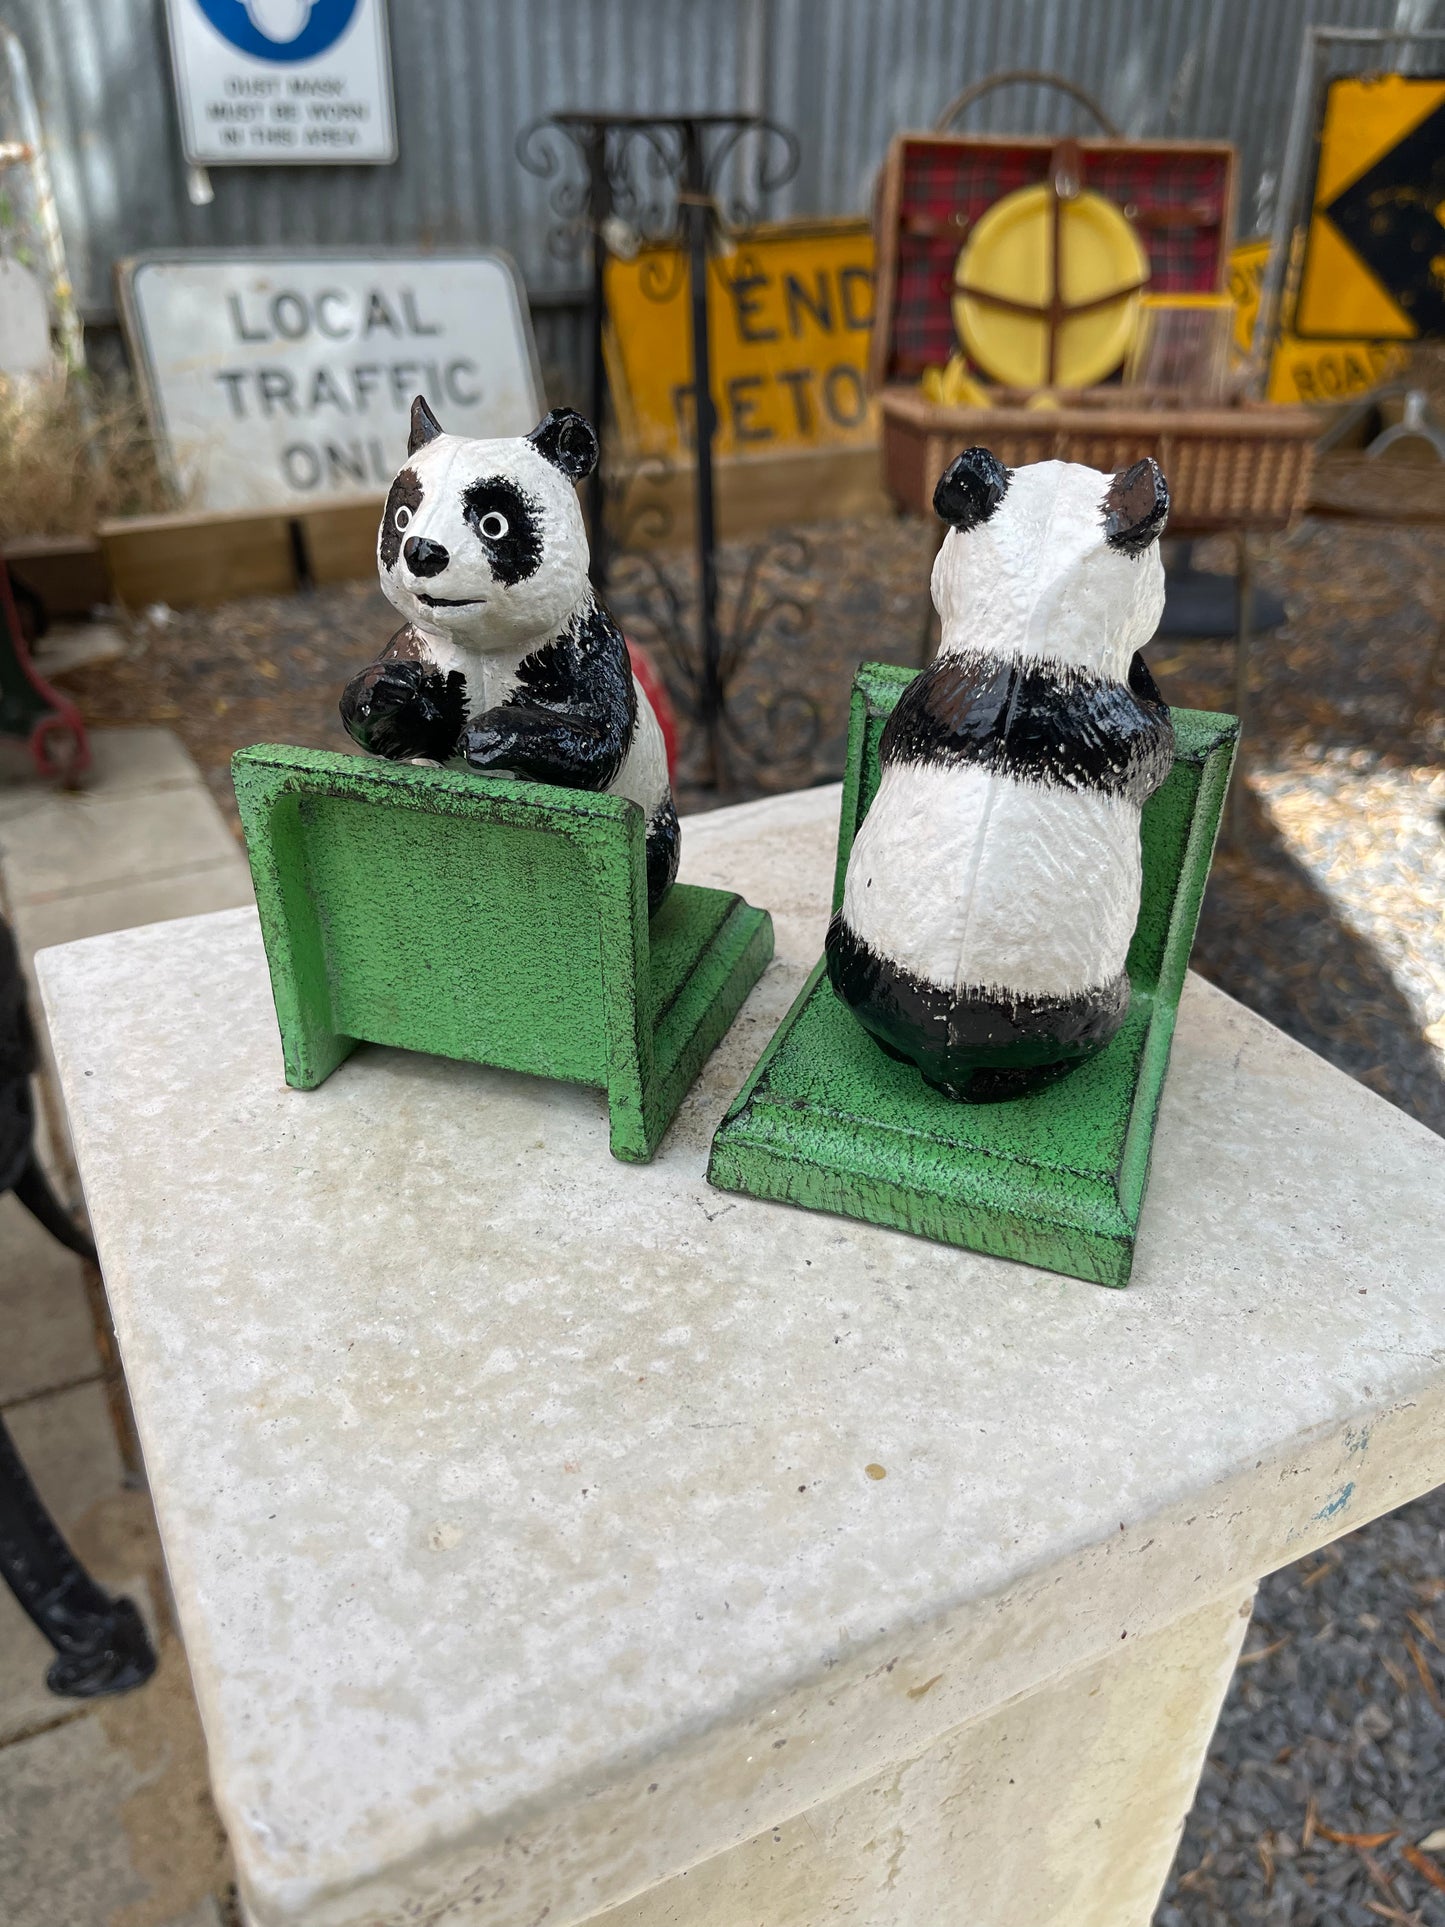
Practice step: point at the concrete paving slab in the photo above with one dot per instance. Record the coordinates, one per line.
(90, 841)
(122, 762)
(68, 1443)
(105, 1821)
(64, 1855)
(223, 885)
(44, 1312)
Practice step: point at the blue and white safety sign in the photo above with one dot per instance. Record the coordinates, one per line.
(289, 82)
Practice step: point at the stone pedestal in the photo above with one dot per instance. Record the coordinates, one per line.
(1061, 1809)
(560, 1540)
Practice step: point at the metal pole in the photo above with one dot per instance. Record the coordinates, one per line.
(599, 208)
(699, 216)
(1235, 814)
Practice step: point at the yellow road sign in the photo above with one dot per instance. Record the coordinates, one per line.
(790, 312)
(1374, 261)
(1308, 371)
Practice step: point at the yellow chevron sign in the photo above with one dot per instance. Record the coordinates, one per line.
(1304, 371)
(1374, 262)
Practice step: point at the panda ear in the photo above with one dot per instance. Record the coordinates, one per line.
(1136, 507)
(970, 488)
(424, 425)
(568, 441)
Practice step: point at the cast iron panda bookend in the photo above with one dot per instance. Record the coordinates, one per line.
(506, 658)
(992, 892)
(495, 882)
(853, 1107)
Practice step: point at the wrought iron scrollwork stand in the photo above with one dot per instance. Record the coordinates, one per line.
(659, 178)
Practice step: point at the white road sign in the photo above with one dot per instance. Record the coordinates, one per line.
(282, 81)
(277, 379)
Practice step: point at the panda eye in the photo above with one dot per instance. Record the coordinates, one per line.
(493, 526)
(401, 518)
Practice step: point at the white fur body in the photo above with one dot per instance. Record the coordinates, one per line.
(971, 879)
(975, 881)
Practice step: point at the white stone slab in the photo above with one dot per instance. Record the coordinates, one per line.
(517, 1501)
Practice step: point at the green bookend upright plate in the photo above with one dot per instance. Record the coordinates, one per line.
(490, 919)
(1056, 1179)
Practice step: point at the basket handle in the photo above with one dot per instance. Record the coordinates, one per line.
(1033, 76)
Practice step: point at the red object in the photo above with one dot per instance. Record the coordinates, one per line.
(655, 690)
(51, 723)
(936, 186)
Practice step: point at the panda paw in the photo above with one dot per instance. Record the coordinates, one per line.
(404, 710)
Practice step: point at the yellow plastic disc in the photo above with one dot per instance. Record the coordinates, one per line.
(1010, 253)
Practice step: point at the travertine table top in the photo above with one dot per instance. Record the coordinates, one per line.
(523, 1508)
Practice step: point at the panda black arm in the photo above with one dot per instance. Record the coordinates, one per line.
(1143, 684)
(571, 718)
(403, 706)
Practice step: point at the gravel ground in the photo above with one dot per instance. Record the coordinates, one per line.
(1323, 1802)
(1326, 1780)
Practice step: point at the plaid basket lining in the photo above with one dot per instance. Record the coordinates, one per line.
(941, 180)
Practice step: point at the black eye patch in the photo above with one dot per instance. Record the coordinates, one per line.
(516, 552)
(406, 493)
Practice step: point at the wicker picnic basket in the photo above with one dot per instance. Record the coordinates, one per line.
(1246, 466)
(1235, 466)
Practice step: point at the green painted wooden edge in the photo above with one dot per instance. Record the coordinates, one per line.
(650, 1066)
(818, 1156)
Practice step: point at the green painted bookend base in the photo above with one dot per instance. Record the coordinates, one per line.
(498, 921)
(1056, 1179)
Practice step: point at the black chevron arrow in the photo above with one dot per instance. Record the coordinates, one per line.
(1389, 217)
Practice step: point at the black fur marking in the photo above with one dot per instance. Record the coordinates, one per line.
(517, 554)
(664, 847)
(973, 1044)
(572, 715)
(1039, 724)
(406, 493)
(970, 488)
(424, 425)
(403, 706)
(1136, 508)
(568, 441)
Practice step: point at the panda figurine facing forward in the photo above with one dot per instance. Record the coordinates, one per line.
(993, 888)
(507, 659)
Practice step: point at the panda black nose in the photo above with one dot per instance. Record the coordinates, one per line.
(425, 558)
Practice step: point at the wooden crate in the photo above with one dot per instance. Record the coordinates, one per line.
(198, 558)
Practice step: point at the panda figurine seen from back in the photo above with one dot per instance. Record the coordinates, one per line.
(992, 891)
(507, 659)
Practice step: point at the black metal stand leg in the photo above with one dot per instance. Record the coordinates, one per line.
(32, 1188)
(1244, 616)
(1432, 668)
(100, 1642)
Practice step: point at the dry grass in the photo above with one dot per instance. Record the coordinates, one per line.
(71, 454)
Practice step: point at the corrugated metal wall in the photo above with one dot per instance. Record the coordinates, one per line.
(845, 74)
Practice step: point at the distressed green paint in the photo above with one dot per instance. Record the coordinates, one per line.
(488, 919)
(1056, 1179)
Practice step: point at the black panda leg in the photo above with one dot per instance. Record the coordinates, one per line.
(998, 1086)
(664, 848)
